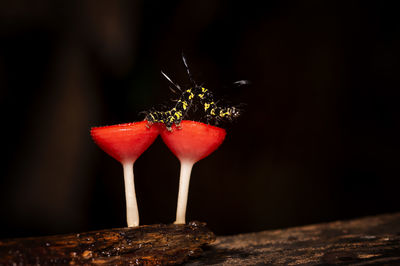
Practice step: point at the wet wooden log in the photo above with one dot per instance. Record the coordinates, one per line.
(367, 241)
(144, 245)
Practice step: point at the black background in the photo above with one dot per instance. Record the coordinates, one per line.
(318, 140)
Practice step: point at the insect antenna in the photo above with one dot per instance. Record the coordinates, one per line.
(175, 85)
(188, 71)
(240, 83)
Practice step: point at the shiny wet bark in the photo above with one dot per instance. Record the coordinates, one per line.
(143, 245)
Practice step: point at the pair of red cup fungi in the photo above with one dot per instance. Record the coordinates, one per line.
(191, 142)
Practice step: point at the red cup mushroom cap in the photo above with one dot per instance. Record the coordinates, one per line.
(125, 142)
(194, 140)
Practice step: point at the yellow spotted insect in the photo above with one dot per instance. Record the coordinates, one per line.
(196, 96)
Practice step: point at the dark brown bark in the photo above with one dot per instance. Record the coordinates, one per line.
(371, 240)
(144, 245)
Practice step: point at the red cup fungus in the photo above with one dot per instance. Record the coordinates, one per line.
(125, 143)
(190, 143)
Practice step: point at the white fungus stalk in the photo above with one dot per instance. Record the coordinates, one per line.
(125, 143)
(184, 180)
(190, 143)
(132, 213)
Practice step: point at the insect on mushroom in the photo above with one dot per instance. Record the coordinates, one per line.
(196, 96)
(191, 141)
